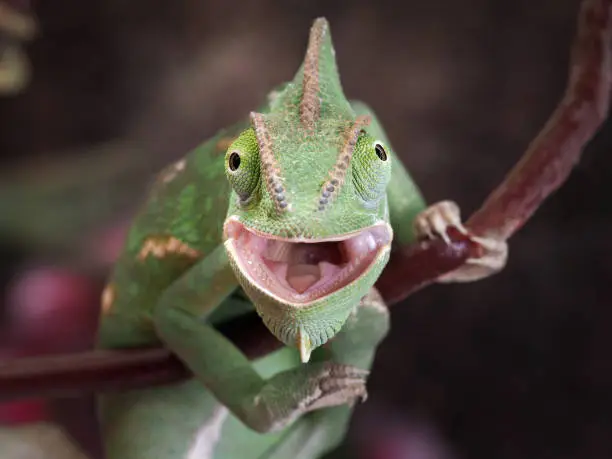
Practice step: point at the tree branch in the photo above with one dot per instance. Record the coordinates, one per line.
(551, 156)
(544, 167)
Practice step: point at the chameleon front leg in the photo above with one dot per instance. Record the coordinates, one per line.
(355, 345)
(263, 405)
(412, 219)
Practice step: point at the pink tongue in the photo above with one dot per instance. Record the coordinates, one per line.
(301, 277)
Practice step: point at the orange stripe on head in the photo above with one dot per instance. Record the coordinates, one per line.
(310, 105)
(337, 175)
(269, 166)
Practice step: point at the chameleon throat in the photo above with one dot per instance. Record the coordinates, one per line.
(305, 270)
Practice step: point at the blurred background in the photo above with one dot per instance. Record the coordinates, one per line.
(97, 96)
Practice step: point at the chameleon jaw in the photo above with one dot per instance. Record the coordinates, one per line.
(302, 271)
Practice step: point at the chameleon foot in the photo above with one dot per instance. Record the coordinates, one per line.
(292, 393)
(435, 221)
(339, 385)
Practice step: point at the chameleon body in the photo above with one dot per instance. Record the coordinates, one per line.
(292, 212)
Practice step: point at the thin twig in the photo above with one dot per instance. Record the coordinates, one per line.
(544, 167)
(549, 159)
(111, 370)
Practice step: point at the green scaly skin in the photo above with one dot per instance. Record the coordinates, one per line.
(311, 169)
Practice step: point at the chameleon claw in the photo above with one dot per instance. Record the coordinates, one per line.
(462, 229)
(340, 384)
(491, 262)
(435, 221)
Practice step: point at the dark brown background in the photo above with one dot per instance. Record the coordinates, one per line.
(516, 366)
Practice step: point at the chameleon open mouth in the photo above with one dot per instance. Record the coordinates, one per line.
(304, 270)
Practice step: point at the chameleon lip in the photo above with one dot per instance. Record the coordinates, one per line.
(303, 270)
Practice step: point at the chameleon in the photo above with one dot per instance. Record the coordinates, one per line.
(291, 212)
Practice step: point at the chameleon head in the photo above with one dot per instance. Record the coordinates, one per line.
(307, 231)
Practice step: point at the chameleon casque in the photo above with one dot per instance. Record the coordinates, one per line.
(291, 212)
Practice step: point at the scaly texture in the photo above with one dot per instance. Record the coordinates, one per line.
(310, 105)
(209, 220)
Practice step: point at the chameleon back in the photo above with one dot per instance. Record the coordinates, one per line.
(165, 240)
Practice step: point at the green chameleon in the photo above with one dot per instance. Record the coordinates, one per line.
(293, 212)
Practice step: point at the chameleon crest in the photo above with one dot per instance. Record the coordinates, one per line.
(307, 231)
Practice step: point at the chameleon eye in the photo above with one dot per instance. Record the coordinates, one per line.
(380, 152)
(242, 165)
(371, 167)
(234, 161)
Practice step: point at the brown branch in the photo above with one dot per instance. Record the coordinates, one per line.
(111, 370)
(418, 265)
(544, 167)
(550, 158)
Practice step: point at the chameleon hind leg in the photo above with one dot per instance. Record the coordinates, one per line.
(321, 431)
